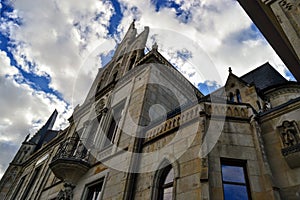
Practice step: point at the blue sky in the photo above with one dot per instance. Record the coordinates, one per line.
(44, 47)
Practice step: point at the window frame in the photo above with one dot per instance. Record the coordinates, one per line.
(238, 96)
(88, 185)
(163, 174)
(92, 131)
(231, 97)
(108, 140)
(236, 163)
(158, 174)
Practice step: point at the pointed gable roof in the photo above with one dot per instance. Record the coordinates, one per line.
(264, 77)
(45, 132)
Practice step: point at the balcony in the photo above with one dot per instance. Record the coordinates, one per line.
(292, 155)
(71, 161)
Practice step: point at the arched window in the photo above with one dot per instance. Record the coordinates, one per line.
(238, 96)
(231, 97)
(115, 77)
(166, 184)
(131, 62)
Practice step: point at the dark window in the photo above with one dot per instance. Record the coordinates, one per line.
(115, 76)
(258, 104)
(234, 179)
(110, 133)
(231, 97)
(93, 191)
(31, 183)
(238, 96)
(92, 132)
(113, 127)
(166, 184)
(131, 62)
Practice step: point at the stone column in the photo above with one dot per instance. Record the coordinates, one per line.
(262, 157)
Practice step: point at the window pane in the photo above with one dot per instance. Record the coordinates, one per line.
(168, 192)
(170, 177)
(233, 174)
(94, 191)
(235, 192)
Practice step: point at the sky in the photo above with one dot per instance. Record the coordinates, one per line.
(50, 52)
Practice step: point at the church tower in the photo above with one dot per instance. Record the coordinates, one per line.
(132, 92)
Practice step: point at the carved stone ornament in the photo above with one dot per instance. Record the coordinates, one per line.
(66, 193)
(289, 133)
(100, 107)
(290, 138)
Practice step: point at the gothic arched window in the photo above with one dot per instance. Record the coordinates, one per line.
(131, 62)
(231, 97)
(166, 184)
(238, 96)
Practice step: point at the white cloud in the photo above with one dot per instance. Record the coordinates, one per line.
(57, 36)
(23, 110)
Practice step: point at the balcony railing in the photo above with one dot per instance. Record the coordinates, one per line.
(73, 149)
(291, 149)
(71, 161)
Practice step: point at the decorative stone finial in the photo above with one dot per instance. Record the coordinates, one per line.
(133, 25)
(26, 138)
(230, 70)
(155, 46)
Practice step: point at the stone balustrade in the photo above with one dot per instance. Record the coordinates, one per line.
(211, 110)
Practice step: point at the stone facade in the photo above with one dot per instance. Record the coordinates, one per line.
(279, 21)
(144, 132)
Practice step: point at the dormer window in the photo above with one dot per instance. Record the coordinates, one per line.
(238, 96)
(231, 97)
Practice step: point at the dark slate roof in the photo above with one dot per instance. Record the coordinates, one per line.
(50, 134)
(39, 136)
(264, 77)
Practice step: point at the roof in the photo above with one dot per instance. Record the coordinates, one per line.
(264, 76)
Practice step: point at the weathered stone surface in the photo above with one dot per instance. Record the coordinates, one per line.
(174, 127)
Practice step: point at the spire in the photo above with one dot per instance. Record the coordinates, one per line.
(38, 138)
(230, 70)
(49, 124)
(132, 25)
(131, 32)
(155, 46)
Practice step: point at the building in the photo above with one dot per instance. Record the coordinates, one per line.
(145, 132)
(279, 21)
